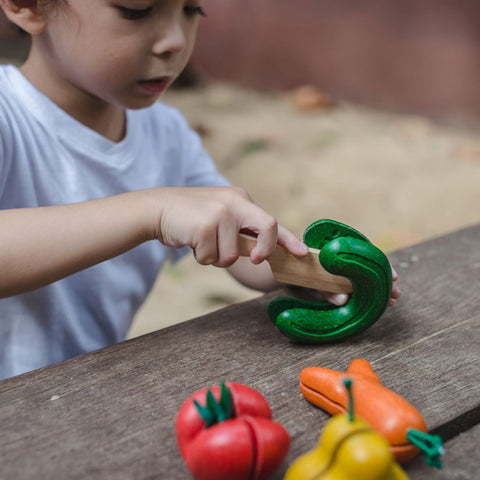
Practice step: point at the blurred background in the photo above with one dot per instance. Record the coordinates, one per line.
(363, 112)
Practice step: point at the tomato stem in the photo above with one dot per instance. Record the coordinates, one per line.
(216, 411)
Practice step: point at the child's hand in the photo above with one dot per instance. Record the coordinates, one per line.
(209, 221)
(396, 292)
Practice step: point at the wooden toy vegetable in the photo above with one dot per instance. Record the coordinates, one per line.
(348, 449)
(387, 412)
(227, 433)
(347, 253)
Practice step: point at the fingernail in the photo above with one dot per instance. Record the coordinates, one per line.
(339, 299)
(304, 247)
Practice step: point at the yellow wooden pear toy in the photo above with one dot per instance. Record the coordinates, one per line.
(348, 449)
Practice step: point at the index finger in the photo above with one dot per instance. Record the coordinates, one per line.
(291, 242)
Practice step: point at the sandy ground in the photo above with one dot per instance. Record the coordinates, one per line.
(399, 179)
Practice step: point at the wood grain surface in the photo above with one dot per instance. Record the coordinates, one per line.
(110, 414)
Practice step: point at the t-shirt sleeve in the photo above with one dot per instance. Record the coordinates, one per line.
(201, 170)
(198, 168)
(5, 141)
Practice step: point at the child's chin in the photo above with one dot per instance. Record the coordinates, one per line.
(144, 102)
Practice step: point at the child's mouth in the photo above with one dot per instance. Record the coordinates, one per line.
(155, 85)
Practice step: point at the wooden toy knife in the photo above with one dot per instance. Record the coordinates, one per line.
(304, 271)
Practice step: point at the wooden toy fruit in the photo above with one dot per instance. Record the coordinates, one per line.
(399, 422)
(227, 433)
(347, 253)
(348, 449)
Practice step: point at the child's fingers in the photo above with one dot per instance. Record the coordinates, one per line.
(205, 248)
(394, 274)
(266, 240)
(337, 299)
(227, 244)
(291, 242)
(396, 292)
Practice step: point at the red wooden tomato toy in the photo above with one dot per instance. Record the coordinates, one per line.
(227, 433)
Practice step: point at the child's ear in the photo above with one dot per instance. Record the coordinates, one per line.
(26, 15)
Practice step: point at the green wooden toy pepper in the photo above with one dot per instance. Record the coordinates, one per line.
(346, 252)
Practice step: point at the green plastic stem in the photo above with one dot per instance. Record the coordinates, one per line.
(216, 412)
(430, 445)
(348, 385)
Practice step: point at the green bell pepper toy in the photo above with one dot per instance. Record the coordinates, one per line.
(346, 252)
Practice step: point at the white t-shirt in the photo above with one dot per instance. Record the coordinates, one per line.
(49, 158)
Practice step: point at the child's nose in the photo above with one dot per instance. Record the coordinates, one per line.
(170, 41)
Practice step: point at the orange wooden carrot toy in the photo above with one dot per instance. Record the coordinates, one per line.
(348, 448)
(387, 412)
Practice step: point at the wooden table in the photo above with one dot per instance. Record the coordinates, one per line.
(110, 414)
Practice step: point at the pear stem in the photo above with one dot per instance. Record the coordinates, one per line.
(348, 385)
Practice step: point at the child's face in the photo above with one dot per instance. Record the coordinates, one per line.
(124, 52)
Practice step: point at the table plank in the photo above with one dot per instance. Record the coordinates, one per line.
(110, 414)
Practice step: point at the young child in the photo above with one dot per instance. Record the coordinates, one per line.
(92, 168)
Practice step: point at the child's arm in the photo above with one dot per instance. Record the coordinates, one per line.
(41, 245)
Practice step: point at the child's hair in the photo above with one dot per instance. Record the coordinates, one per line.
(37, 3)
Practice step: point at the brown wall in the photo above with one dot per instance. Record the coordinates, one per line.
(408, 55)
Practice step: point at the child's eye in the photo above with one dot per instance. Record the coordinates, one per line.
(132, 14)
(191, 11)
